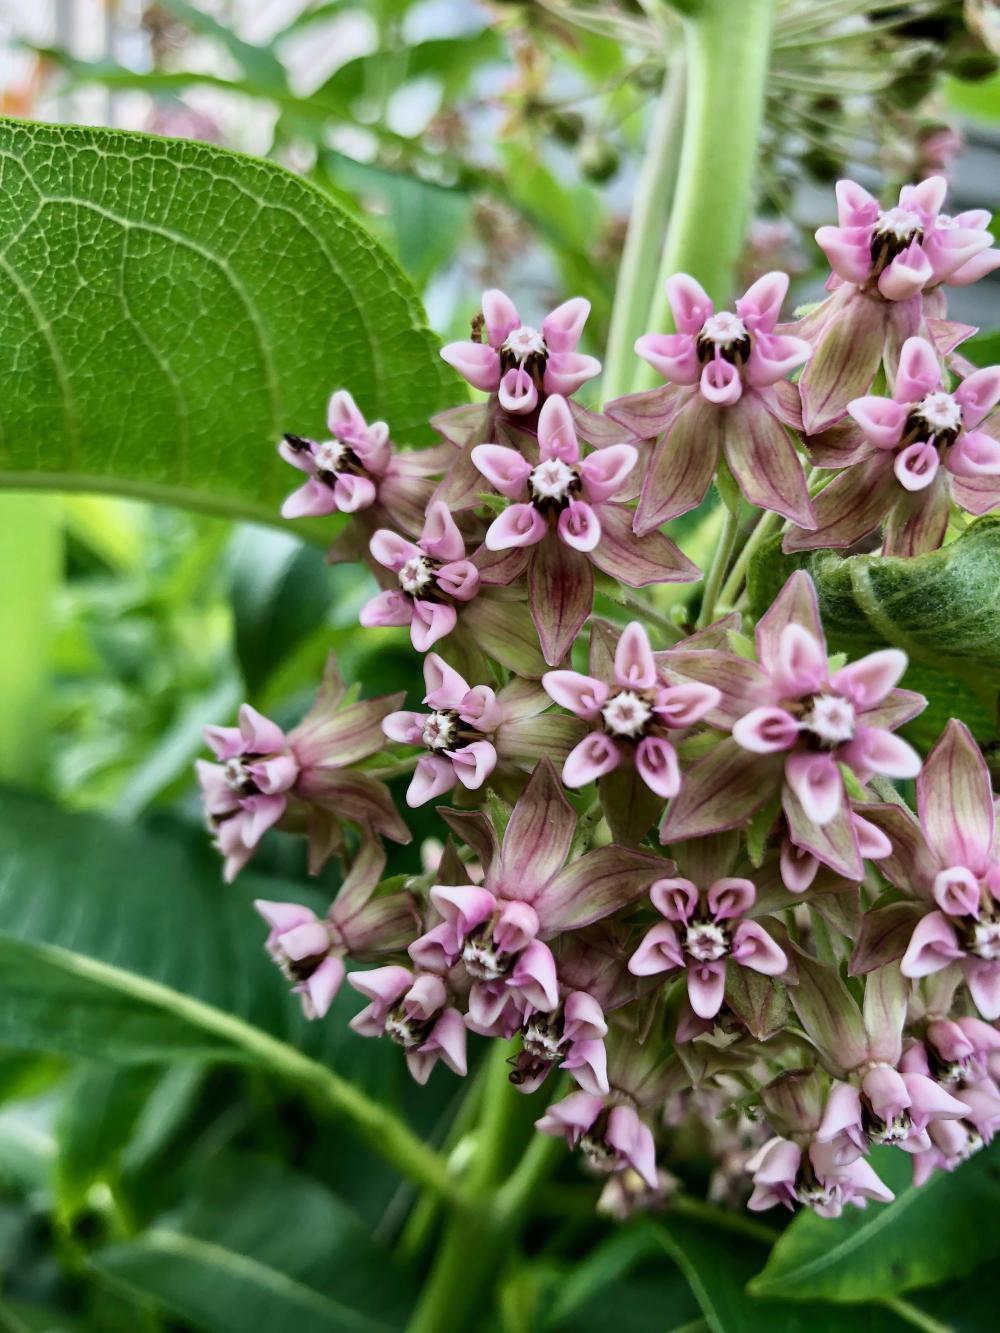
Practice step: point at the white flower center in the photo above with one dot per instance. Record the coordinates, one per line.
(415, 575)
(831, 718)
(896, 1130)
(706, 941)
(552, 480)
(482, 960)
(626, 714)
(402, 1030)
(725, 328)
(438, 731)
(540, 1038)
(817, 1194)
(899, 223)
(328, 455)
(941, 411)
(237, 777)
(599, 1154)
(524, 342)
(986, 940)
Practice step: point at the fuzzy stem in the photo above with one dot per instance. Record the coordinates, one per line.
(647, 223)
(717, 572)
(766, 525)
(727, 48)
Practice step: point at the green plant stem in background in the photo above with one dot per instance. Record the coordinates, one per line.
(768, 523)
(726, 60)
(717, 571)
(644, 240)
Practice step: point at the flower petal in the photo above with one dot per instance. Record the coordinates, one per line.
(932, 946)
(815, 779)
(753, 947)
(955, 800)
(764, 461)
(634, 665)
(579, 526)
(682, 466)
(561, 596)
(656, 762)
(918, 372)
(476, 362)
(595, 755)
(658, 951)
(538, 836)
(503, 468)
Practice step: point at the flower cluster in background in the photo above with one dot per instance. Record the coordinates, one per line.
(680, 866)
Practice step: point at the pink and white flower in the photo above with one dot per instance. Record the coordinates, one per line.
(907, 458)
(721, 402)
(885, 1106)
(612, 1138)
(703, 930)
(564, 520)
(432, 575)
(522, 364)
(785, 1174)
(417, 1012)
(633, 716)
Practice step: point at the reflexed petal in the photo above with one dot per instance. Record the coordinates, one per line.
(634, 665)
(881, 419)
(764, 461)
(538, 836)
(682, 466)
(561, 596)
(816, 781)
(659, 951)
(918, 521)
(476, 362)
(720, 791)
(976, 495)
(638, 561)
(596, 755)
(955, 800)
(433, 776)
(796, 604)
(593, 886)
(754, 948)
(689, 302)
(503, 468)
(854, 504)
(932, 946)
(844, 363)
(706, 987)
(656, 762)
(766, 731)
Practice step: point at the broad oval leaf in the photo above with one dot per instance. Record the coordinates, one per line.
(169, 309)
(942, 1230)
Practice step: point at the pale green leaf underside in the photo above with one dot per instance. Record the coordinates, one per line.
(168, 309)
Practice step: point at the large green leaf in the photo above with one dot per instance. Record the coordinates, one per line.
(100, 1108)
(942, 1230)
(942, 608)
(169, 309)
(121, 943)
(259, 1246)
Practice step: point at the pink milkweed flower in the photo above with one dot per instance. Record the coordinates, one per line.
(954, 1050)
(798, 867)
(356, 470)
(634, 716)
(521, 364)
(499, 930)
(702, 931)
(793, 725)
(471, 728)
(263, 772)
(572, 1035)
(783, 1173)
(563, 521)
(884, 262)
(246, 793)
(432, 574)
(908, 457)
(952, 1143)
(721, 401)
(417, 1013)
(611, 1138)
(951, 860)
(886, 1107)
(310, 950)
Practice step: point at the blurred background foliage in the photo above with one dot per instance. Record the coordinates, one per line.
(485, 144)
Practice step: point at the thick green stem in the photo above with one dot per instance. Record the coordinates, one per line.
(727, 48)
(767, 524)
(717, 572)
(644, 240)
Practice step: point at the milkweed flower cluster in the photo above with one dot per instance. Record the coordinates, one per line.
(677, 865)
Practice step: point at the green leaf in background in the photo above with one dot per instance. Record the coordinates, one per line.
(230, 297)
(151, 964)
(717, 1266)
(983, 349)
(259, 1246)
(942, 1230)
(942, 608)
